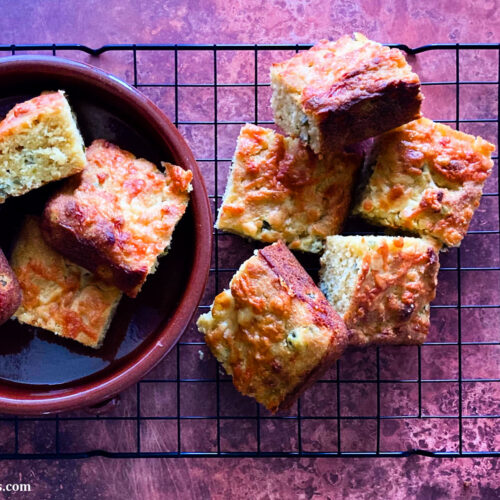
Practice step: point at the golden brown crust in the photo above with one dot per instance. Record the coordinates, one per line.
(282, 262)
(347, 71)
(279, 189)
(427, 178)
(395, 283)
(352, 88)
(24, 112)
(273, 331)
(388, 301)
(58, 295)
(10, 292)
(369, 116)
(118, 215)
(64, 231)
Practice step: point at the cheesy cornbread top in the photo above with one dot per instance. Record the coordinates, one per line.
(273, 330)
(121, 212)
(427, 178)
(58, 295)
(23, 113)
(382, 286)
(279, 189)
(332, 74)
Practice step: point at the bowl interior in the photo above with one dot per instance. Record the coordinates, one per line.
(36, 360)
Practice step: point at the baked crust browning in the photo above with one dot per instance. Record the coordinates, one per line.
(24, 112)
(286, 267)
(273, 330)
(344, 92)
(395, 280)
(58, 295)
(398, 103)
(428, 179)
(279, 189)
(117, 217)
(10, 292)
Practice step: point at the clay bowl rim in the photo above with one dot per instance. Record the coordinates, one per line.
(28, 400)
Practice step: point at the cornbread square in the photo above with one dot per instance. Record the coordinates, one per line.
(58, 295)
(39, 143)
(118, 216)
(10, 292)
(427, 179)
(339, 93)
(279, 189)
(273, 330)
(382, 286)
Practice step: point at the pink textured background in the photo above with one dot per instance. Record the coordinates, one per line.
(411, 22)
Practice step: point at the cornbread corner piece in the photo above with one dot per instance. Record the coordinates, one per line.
(382, 286)
(339, 93)
(39, 143)
(273, 330)
(58, 295)
(118, 216)
(279, 189)
(10, 292)
(427, 179)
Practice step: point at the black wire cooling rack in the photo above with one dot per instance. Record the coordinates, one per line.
(441, 400)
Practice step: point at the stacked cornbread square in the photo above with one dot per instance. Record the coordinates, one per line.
(39, 143)
(117, 218)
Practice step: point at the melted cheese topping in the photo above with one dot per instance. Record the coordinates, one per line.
(129, 200)
(22, 114)
(381, 285)
(333, 73)
(268, 333)
(428, 178)
(58, 295)
(279, 189)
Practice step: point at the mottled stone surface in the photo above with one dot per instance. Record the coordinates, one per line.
(154, 479)
(218, 21)
(415, 23)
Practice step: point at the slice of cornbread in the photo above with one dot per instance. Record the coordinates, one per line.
(58, 295)
(10, 292)
(382, 286)
(118, 216)
(428, 179)
(343, 92)
(39, 143)
(279, 189)
(273, 330)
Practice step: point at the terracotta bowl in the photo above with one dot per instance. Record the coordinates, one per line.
(41, 373)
